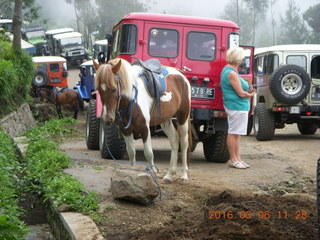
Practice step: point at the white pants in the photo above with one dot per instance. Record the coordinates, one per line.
(237, 121)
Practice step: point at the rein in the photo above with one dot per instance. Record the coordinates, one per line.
(132, 102)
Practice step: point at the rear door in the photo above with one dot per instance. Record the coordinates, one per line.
(201, 62)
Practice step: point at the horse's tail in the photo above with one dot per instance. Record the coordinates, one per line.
(80, 102)
(190, 141)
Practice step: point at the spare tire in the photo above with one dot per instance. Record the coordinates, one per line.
(39, 79)
(289, 84)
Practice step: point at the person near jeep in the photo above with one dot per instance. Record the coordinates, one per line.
(236, 99)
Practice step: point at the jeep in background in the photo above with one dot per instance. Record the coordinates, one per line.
(6, 24)
(51, 33)
(71, 47)
(288, 89)
(50, 70)
(36, 36)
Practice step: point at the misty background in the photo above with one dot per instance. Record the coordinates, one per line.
(261, 22)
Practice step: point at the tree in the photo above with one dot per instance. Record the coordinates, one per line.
(312, 17)
(272, 2)
(30, 11)
(110, 12)
(16, 26)
(293, 28)
(257, 9)
(240, 18)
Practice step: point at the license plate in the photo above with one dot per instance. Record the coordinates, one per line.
(202, 92)
(294, 110)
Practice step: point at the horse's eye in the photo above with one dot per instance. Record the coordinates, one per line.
(114, 90)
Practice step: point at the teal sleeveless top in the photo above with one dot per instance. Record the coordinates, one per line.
(231, 100)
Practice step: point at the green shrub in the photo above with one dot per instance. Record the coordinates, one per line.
(45, 164)
(10, 225)
(16, 72)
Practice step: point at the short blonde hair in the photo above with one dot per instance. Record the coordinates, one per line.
(235, 55)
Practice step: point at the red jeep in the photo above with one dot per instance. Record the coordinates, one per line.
(196, 46)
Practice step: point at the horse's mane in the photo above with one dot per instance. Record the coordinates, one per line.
(105, 75)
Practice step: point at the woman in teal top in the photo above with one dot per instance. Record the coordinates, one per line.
(236, 99)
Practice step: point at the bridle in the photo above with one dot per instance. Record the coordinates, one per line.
(132, 102)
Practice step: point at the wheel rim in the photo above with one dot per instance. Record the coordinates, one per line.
(291, 84)
(39, 79)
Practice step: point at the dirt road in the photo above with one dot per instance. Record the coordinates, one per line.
(274, 199)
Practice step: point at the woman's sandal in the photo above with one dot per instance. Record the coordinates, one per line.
(237, 164)
(245, 164)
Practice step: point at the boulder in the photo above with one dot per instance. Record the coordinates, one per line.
(134, 186)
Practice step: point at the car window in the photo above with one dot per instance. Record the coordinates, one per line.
(163, 42)
(201, 46)
(115, 43)
(54, 67)
(299, 60)
(42, 67)
(272, 63)
(128, 39)
(315, 67)
(259, 65)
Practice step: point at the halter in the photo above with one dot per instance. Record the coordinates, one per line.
(129, 108)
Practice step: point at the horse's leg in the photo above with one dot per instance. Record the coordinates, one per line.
(58, 110)
(148, 152)
(184, 144)
(76, 110)
(130, 148)
(173, 137)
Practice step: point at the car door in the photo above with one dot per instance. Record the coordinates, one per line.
(201, 63)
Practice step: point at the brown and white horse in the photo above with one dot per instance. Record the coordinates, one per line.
(125, 99)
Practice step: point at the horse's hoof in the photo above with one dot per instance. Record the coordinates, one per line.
(184, 180)
(166, 180)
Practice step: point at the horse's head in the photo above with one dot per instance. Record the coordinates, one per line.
(109, 83)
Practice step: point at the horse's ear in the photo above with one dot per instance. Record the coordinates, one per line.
(116, 68)
(95, 64)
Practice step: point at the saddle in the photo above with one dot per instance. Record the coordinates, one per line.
(154, 78)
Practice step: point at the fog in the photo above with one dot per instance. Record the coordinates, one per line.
(60, 13)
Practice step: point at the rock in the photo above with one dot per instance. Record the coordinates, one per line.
(134, 186)
(300, 197)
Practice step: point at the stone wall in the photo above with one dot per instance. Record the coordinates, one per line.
(18, 122)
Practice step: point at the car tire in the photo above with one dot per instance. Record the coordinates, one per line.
(92, 126)
(250, 125)
(215, 147)
(39, 79)
(264, 123)
(290, 84)
(307, 128)
(111, 141)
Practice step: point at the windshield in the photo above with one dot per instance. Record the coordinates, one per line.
(35, 34)
(71, 41)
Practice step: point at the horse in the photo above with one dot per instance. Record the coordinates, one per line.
(61, 96)
(125, 99)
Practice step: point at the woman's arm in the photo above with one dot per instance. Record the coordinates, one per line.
(236, 84)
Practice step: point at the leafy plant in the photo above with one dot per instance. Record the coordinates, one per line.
(10, 225)
(45, 164)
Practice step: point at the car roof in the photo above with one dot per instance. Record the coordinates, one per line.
(68, 35)
(48, 59)
(59, 30)
(102, 42)
(87, 63)
(5, 21)
(289, 47)
(170, 18)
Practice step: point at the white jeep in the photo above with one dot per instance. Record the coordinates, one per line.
(288, 89)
